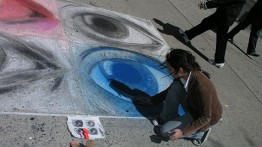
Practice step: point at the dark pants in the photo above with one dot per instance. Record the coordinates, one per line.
(221, 41)
(255, 27)
(253, 38)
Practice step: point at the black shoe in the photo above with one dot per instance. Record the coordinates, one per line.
(198, 142)
(253, 54)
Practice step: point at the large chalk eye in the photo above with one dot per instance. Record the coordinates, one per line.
(22, 63)
(112, 76)
(104, 26)
(108, 27)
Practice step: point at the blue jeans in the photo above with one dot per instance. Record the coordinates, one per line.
(175, 95)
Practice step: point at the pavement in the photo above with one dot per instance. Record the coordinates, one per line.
(238, 85)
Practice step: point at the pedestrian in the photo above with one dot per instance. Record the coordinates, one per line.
(253, 18)
(225, 15)
(192, 89)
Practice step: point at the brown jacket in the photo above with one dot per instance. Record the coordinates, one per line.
(201, 102)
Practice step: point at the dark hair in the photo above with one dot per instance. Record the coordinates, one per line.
(181, 58)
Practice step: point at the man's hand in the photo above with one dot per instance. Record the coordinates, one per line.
(143, 101)
(176, 133)
(202, 5)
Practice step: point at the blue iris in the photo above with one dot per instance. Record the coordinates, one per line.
(130, 73)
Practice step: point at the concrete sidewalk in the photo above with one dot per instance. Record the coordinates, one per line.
(238, 85)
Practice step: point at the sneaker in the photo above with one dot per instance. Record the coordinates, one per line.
(157, 122)
(218, 65)
(253, 54)
(184, 36)
(198, 142)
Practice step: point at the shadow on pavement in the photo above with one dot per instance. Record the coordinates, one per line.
(149, 112)
(157, 139)
(170, 29)
(239, 49)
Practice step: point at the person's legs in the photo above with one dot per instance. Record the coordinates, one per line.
(251, 49)
(206, 24)
(221, 43)
(236, 29)
(173, 99)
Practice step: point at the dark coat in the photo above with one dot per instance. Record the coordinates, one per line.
(227, 10)
(255, 14)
